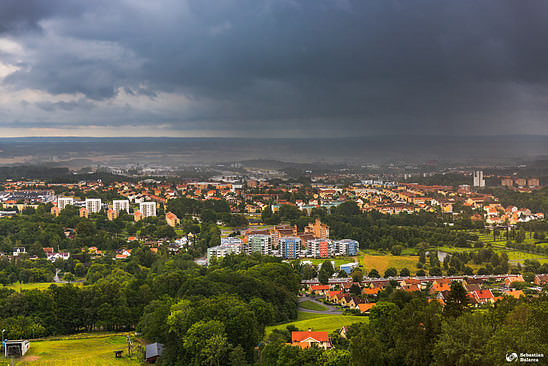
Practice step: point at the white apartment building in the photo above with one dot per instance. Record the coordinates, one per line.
(148, 208)
(259, 244)
(93, 205)
(63, 202)
(228, 246)
(478, 179)
(119, 205)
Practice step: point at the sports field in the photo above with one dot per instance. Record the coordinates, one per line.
(320, 322)
(79, 350)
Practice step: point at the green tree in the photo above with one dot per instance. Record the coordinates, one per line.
(435, 271)
(326, 271)
(374, 273)
(456, 301)
(390, 272)
(205, 343)
(237, 357)
(463, 341)
(396, 250)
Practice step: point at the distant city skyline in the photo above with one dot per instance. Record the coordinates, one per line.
(273, 68)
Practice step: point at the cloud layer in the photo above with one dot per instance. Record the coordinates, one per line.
(283, 68)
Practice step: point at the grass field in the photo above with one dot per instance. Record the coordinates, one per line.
(30, 286)
(81, 349)
(382, 262)
(37, 286)
(320, 322)
(310, 305)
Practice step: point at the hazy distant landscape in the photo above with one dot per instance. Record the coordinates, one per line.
(80, 151)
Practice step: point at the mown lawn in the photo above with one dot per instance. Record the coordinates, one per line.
(81, 349)
(321, 322)
(311, 305)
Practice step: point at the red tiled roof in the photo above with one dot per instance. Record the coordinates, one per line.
(371, 291)
(483, 294)
(301, 336)
(366, 307)
(319, 287)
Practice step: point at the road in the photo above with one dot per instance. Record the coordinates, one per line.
(331, 310)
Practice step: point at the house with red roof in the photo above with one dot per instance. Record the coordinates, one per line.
(541, 279)
(370, 291)
(319, 289)
(440, 285)
(366, 307)
(517, 278)
(410, 281)
(308, 338)
(411, 288)
(332, 295)
(483, 296)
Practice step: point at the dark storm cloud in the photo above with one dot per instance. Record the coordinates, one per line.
(24, 15)
(67, 106)
(350, 67)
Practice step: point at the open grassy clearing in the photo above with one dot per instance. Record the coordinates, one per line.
(81, 349)
(37, 285)
(302, 315)
(30, 286)
(321, 323)
(382, 262)
(310, 305)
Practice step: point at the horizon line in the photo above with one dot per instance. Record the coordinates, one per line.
(274, 138)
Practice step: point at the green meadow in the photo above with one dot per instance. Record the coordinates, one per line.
(320, 322)
(79, 350)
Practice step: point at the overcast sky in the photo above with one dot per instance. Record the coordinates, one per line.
(279, 68)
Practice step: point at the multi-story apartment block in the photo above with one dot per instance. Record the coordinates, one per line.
(478, 179)
(320, 231)
(148, 209)
(507, 182)
(282, 231)
(63, 202)
(346, 247)
(172, 219)
(228, 246)
(290, 247)
(259, 244)
(93, 205)
(318, 248)
(521, 182)
(533, 182)
(119, 205)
